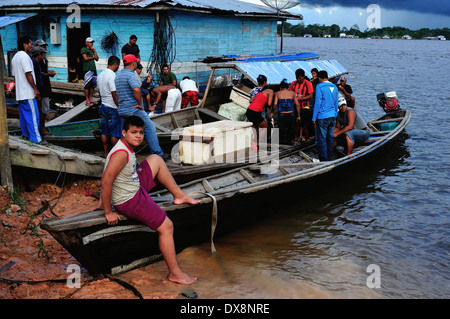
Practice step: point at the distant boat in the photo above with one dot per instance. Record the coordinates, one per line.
(308, 35)
(406, 37)
(386, 37)
(441, 37)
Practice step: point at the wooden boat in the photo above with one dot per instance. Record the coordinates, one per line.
(81, 135)
(54, 158)
(228, 200)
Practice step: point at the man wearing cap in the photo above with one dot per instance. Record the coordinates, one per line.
(89, 55)
(37, 55)
(26, 90)
(46, 91)
(347, 91)
(350, 128)
(130, 101)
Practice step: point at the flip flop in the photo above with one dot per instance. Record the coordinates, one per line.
(89, 104)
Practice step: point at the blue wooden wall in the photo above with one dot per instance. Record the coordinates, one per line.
(196, 35)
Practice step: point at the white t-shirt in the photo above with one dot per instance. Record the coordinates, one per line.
(188, 85)
(106, 85)
(21, 63)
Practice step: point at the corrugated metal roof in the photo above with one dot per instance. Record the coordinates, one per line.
(224, 5)
(276, 71)
(227, 5)
(11, 19)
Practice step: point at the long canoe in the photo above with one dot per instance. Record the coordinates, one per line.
(228, 200)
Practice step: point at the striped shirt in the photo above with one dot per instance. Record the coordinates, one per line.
(126, 80)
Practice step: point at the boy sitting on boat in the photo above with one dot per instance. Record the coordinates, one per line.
(126, 186)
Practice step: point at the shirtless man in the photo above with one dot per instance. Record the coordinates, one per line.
(172, 102)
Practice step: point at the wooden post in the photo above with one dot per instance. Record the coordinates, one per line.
(5, 160)
(208, 86)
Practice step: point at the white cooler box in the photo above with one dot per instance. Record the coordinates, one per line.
(216, 142)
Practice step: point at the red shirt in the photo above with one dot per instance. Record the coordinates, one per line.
(259, 102)
(301, 90)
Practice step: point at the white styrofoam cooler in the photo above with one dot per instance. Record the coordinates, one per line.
(216, 142)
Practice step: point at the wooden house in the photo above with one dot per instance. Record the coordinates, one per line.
(180, 32)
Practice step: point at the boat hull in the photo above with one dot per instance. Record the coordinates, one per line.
(241, 196)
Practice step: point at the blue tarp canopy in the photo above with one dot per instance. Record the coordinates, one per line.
(11, 19)
(276, 71)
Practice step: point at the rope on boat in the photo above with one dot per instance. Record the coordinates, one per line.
(214, 219)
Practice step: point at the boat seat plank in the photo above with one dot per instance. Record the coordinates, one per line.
(174, 120)
(69, 115)
(306, 157)
(291, 165)
(197, 115)
(373, 128)
(397, 119)
(160, 127)
(247, 176)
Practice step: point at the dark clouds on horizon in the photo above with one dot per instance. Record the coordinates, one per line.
(432, 6)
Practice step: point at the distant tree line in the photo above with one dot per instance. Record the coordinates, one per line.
(317, 30)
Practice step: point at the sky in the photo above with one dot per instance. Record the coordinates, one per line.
(412, 14)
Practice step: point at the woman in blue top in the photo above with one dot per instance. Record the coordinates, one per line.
(288, 108)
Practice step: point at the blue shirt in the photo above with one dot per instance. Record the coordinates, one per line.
(326, 104)
(126, 80)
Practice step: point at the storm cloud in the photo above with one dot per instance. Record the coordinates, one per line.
(421, 6)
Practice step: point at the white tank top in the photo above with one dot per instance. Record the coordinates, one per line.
(126, 184)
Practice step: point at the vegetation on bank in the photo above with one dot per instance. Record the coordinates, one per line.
(317, 30)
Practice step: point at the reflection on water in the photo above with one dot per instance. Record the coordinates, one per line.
(391, 210)
(318, 245)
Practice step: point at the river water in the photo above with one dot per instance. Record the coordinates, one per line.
(392, 214)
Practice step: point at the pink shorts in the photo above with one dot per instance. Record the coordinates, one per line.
(141, 206)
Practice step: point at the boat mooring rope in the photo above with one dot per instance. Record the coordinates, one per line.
(214, 219)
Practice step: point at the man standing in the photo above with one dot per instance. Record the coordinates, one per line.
(46, 91)
(89, 55)
(26, 90)
(131, 48)
(325, 112)
(303, 89)
(347, 91)
(38, 55)
(130, 101)
(189, 92)
(109, 115)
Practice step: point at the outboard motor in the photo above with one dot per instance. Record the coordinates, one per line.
(388, 101)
